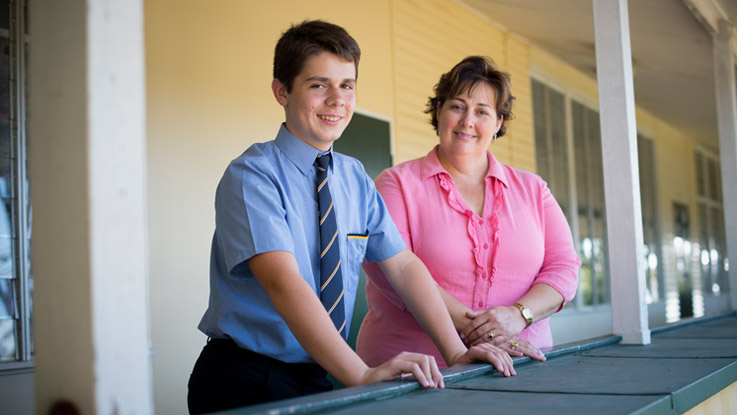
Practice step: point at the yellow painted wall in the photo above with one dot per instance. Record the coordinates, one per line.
(430, 37)
(208, 80)
(723, 403)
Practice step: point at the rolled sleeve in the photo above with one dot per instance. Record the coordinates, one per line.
(561, 263)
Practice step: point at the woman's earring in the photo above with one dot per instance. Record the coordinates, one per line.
(494, 139)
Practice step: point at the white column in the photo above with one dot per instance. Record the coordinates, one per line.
(621, 176)
(87, 171)
(724, 75)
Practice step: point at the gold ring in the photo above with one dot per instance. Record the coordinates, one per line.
(514, 346)
(490, 335)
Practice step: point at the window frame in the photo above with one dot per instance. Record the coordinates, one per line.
(711, 303)
(19, 194)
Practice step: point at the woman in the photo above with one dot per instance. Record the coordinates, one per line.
(494, 238)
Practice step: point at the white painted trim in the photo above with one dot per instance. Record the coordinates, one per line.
(709, 152)
(710, 14)
(621, 182)
(572, 325)
(374, 114)
(118, 229)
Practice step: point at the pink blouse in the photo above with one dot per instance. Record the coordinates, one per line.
(521, 239)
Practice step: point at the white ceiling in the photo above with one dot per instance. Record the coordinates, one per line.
(671, 52)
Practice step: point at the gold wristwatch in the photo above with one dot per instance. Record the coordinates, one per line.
(526, 313)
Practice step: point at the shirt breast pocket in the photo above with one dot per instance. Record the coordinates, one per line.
(356, 244)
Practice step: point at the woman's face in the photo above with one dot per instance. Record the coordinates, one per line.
(467, 122)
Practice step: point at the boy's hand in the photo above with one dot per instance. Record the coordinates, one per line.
(423, 367)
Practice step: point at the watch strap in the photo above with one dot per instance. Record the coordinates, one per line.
(526, 313)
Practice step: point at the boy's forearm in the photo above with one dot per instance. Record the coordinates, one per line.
(415, 285)
(306, 317)
(456, 309)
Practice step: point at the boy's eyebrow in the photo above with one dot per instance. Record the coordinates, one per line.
(324, 79)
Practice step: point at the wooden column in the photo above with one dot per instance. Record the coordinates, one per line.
(87, 173)
(621, 176)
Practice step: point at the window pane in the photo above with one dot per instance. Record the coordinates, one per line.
(558, 148)
(7, 299)
(712, 174)
(8, 345)
(718, 182)
(26, 205)
(651, 237)
(717, 251)
(6, 242)
(699, 166)
(550, 140)
(590, 196)
(586, 253)
(540, 111)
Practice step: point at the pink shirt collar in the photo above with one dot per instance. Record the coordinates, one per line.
(431, 166)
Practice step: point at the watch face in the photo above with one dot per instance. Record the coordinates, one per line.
(527, 313)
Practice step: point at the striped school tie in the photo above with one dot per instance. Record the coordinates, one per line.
(331, 277)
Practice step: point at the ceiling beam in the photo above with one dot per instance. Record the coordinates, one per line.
(710, 13)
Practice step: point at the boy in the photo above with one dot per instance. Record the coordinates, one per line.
(283, 278)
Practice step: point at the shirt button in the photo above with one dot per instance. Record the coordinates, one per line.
(481, 304)
(481, 222)
(486, 246)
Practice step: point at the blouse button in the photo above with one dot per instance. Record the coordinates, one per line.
(481, 304)
(486, 246)
(481, 222)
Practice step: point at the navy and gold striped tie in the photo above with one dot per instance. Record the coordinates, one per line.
(331, 277)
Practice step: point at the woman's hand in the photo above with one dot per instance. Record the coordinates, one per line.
(517, 347)
(486, 352)
(423, 367)
(494, 325)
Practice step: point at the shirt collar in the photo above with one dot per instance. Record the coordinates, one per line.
(297, 151)
(431, 166)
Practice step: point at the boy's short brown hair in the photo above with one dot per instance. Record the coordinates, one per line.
(310, 38)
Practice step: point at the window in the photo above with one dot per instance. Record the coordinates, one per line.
(711, 238)
(692, 282)
(650, 226)
(16, 283)
(591, 215)
(571, 163)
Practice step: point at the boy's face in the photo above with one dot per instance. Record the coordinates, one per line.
(321, 103)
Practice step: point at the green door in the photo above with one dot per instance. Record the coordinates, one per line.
(367, 139)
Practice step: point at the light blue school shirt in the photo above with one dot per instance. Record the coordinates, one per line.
(266, 201)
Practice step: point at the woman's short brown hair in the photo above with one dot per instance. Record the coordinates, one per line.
(310, 38)
(466, 75)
